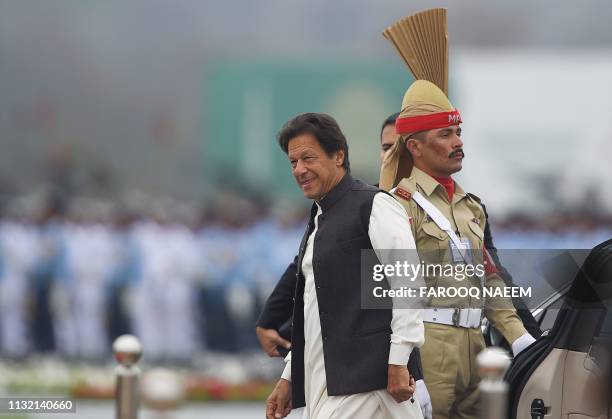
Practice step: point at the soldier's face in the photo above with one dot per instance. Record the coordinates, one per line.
(440, 153)
(314, 170)
(387, 139)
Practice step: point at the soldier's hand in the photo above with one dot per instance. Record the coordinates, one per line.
(278, 404)
(422, 395)
(269, 339)
(400, 383)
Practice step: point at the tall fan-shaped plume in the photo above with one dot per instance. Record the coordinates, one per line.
(422, 41)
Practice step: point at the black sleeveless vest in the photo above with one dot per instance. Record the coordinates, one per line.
(356, 341)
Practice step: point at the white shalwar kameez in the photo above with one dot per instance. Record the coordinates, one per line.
(389, 229)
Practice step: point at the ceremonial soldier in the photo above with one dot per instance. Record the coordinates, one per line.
(448, 226)
(18, 257)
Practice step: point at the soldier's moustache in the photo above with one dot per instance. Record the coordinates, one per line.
(456, 152)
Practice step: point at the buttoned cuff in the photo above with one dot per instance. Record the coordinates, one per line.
(286, 375)
(399, 353)
(520, 344)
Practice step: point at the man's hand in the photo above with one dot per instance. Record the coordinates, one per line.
(269, 339)
(278, 404)
(400, 383)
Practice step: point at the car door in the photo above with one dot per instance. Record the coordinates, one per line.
(548, 275)
(562, 374)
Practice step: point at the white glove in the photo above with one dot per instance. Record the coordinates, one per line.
(521, 343)
(422, 395)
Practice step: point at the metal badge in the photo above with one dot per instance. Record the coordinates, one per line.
(456, 255)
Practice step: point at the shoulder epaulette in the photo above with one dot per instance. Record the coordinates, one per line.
(402, 193)
(474, 197)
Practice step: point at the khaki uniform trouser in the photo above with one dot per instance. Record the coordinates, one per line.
(449, 367)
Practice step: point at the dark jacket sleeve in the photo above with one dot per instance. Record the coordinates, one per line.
(414, 364)
(278, 308)
(521, 309)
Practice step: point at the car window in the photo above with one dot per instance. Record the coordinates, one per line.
(606, 327)
(546, 273)
(550, 315)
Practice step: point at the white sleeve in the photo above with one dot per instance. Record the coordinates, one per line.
(389, 229)
(287, 371)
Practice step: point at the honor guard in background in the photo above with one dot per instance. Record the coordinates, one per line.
(90, 255)
(162, 298)
(46, 320)
(447, 223)
(18, 256)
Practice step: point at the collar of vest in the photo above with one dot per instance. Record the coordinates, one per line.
(336, 192)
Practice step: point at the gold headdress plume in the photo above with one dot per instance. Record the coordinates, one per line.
(422, 42)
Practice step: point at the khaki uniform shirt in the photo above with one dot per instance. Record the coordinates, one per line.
(467, 219)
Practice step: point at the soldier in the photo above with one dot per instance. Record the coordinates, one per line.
(18, 256)
(90, 256)
(161, 297)
(388, 137)
(446, 222)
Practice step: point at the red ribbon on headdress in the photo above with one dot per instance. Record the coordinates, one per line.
(410, 124)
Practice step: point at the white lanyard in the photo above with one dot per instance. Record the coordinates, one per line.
(442, 222)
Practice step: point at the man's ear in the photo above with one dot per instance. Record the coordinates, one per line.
(339, 158)
(414, 147)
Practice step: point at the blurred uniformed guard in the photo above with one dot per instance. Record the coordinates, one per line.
(448, 225)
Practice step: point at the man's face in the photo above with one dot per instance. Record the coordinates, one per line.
(387, 139)
(315, 172)
(440, 153)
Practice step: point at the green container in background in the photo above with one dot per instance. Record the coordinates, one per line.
(246, 103)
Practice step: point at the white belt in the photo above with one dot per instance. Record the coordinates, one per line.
(464, 317)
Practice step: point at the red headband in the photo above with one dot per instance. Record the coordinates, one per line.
(410, 124)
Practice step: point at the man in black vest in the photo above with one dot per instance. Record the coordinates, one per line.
(274, 323)
(345, 362)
